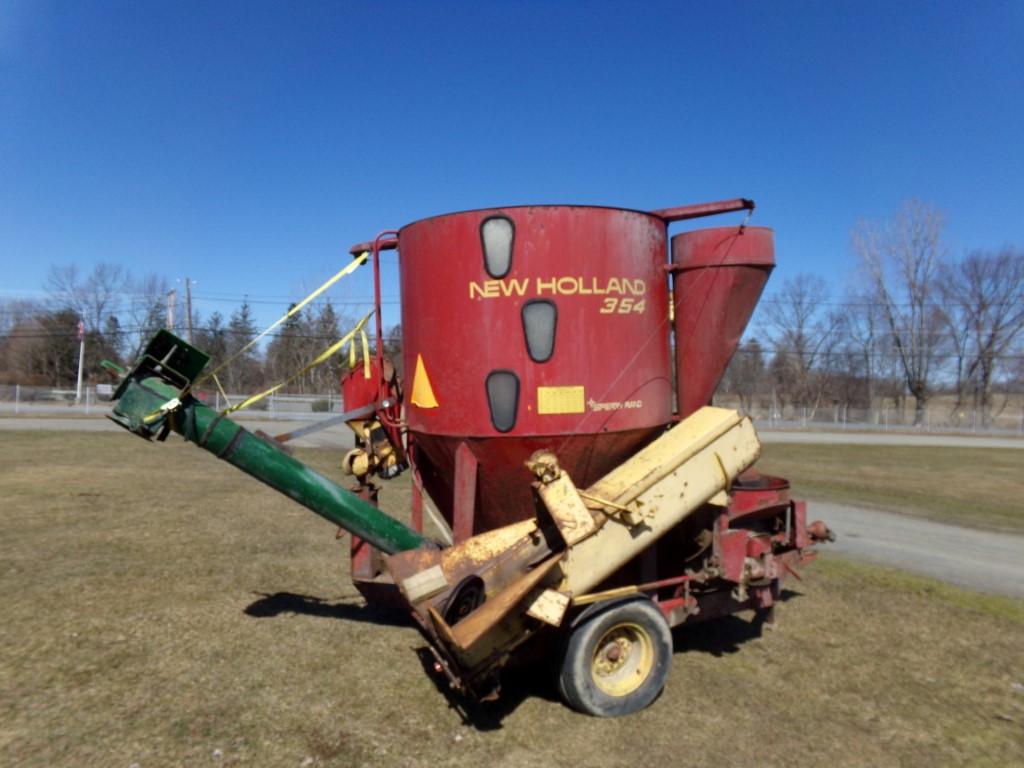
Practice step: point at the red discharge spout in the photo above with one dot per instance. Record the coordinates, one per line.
(719, 276)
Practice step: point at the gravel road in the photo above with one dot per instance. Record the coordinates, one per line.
(889, 438)
(982, 560)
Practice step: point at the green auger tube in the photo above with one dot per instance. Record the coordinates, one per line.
(153, 399)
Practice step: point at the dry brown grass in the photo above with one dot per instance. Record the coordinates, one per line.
(981, 487)
(136, 629)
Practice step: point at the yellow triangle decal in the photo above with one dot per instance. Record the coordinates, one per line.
(422, 391)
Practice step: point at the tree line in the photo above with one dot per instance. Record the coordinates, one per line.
(917, 321)
(39, 341)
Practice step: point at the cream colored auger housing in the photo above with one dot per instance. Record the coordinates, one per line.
(525, 573)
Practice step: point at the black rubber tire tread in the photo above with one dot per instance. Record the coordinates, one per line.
(575, 680)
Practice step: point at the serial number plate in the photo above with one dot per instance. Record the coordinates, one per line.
(552, 400)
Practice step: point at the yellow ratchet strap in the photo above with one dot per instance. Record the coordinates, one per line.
(347, 270)
(366, 354)
(352, 357)
(322, 357)
(221, 390)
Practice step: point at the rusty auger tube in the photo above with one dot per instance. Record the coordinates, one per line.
(148, 404)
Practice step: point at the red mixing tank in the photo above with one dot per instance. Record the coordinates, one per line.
(533, 327)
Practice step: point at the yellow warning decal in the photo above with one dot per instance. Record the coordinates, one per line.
(422, 391)
(560, 400)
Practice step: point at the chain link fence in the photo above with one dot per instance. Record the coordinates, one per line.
(1006, 418)
(18, 400)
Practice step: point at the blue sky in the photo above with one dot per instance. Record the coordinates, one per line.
(248, 144)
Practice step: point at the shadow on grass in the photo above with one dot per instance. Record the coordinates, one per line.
(717, 637)
(268, 606)
(723, 635)
(517, 684)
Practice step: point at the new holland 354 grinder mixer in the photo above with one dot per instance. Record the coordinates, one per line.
(560, 363)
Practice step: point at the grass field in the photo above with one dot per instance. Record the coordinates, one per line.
(162, 609)
(982, 487)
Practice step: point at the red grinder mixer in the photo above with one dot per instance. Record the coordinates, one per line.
(559, 365)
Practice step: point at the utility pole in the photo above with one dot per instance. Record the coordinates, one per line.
(188, 307)
(172, 297)
(81, 359)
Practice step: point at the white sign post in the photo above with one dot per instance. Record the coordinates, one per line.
(81, 359)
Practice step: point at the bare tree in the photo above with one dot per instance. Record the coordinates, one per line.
(1015, 372)
(802, 333)
(93, 298)
(984, 309)
(43, 349)
(19, 331)
(393, 348)
(745, 375)
(15, 312)
(146, 311)
(901, 259)
(861, 328)
(958, 330)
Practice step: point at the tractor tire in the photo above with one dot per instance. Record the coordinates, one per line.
(617, 660)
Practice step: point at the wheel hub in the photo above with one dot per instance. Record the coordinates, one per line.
(623, 659)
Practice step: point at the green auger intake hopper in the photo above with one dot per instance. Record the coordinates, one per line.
(154, 399)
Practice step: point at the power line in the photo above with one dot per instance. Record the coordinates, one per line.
(880, 305)
(860, 355)
(198, 329)
(282, 300)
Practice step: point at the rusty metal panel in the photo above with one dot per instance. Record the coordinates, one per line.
(464, 498)
(665, 455)
(667, 491)
(563, 502)
(798, 525)
(731, 549)
(479, 623)
(550, 607)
